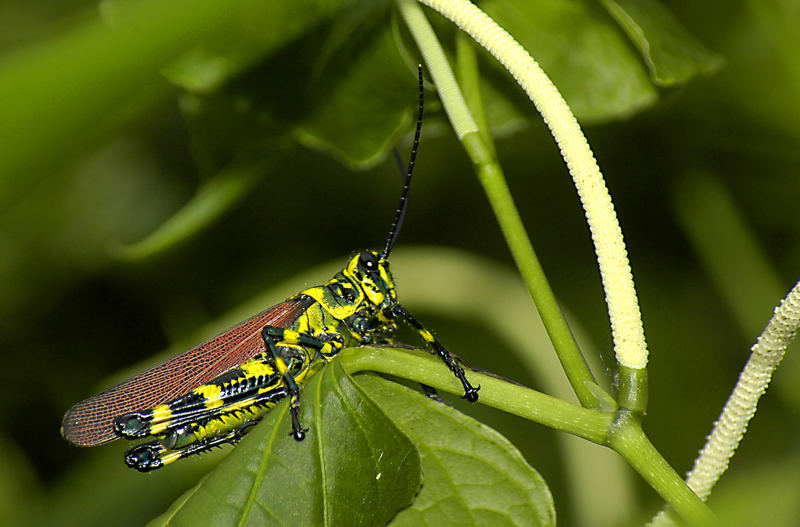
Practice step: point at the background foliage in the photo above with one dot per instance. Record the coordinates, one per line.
(276, 135)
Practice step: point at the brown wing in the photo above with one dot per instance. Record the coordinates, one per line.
(90, 422)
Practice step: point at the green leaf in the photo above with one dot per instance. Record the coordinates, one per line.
(366, 102)
(672, 53)
(583, 53)
(263, 28)
(348, 97)
(472, 474)
(64, 94)
(354, 467)
(214, 197)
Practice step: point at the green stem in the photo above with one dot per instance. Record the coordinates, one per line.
(494, 185)
(632, 392)
(469, 80)
(491, 177)
(628, 439)
(503, 395)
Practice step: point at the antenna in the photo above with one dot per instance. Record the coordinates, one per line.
(400, 215)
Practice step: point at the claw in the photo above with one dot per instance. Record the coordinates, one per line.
(471, 394)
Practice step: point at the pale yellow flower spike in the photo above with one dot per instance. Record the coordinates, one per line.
(766, 354)
(623, 306)
(731, 426)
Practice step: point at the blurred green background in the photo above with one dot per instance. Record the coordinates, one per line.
(166, 170)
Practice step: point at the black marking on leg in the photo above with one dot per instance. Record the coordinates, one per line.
(470, 392)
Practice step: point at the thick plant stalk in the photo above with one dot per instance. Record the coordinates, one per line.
(623, 306)
(728, 431)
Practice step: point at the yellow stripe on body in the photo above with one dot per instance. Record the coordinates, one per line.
(211, 393)
(162, 415)
(257, 368)
(339, 312)
(227, 422)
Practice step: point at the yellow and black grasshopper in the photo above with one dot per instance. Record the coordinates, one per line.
(214, 392)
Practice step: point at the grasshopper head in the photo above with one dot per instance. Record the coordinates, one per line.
(374, 277)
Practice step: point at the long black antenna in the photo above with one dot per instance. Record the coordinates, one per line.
(403, 207)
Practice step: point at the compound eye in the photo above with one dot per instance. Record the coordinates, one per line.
(368, 261)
